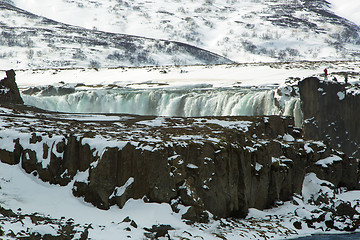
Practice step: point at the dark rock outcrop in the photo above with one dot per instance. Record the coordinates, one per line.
(331, 114)
(224, 165)
(9, 91)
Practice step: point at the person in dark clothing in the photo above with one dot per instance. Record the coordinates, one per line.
(326, 74)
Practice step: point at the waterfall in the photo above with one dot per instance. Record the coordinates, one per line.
(173, 102)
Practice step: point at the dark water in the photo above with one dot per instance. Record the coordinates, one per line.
(354, 236)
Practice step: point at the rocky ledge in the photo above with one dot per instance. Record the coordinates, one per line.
(221, 165)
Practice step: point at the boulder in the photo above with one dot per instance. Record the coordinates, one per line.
(9, 91)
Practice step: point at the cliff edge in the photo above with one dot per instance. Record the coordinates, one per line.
(331, 113)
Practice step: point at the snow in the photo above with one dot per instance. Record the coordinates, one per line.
(21, 190)
(204, 77)
(192, 166)
(288, 138)
(18, 188)
(313, 186)
(154, 123)
(258, 167)
(119, 191)
(341, 95)
(239, 125)
(307, 148)
(281, 161)
(328, 161)
(99, 144)
(238, 30)
(348, 9)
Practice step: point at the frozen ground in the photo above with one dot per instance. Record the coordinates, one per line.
(216, 76)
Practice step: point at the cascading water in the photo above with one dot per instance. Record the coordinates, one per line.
(174, 102)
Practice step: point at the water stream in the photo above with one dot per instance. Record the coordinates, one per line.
(173, 102)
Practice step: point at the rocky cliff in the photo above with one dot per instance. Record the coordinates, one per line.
(331, 113)
(221, 165)
(224, 165)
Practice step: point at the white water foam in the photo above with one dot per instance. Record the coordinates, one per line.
(176, 102)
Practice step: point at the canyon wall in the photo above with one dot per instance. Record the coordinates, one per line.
(221, 165)
(224, 165)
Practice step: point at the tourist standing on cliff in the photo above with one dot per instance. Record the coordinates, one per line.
(326, 74)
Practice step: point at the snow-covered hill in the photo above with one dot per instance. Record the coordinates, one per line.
(30, 41)
(248, 30)
(348, 9)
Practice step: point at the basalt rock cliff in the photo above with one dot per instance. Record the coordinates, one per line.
(331, 113)
(221, 165)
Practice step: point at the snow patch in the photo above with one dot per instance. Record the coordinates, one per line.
(328, 161)
(341, 95)
(119, 191)
(258, 167)
(288, 138)
(192, 166)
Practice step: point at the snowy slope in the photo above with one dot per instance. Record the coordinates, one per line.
(347, 9)
(30, 41)
(250, 30)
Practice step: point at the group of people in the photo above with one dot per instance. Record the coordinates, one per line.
(326, 73)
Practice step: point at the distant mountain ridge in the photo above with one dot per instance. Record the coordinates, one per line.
(242, 31)
(31, 41)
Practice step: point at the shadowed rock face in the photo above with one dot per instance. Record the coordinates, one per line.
(9, 92)
(224, 165)
(331, 113)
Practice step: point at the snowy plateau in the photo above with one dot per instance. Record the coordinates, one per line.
(164, 81)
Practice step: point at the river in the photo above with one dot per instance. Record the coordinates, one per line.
(353, 236)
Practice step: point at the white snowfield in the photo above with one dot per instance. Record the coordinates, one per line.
(348, 9)
(215, 76)
(239, 30)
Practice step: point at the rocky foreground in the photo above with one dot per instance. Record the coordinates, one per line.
(215, 167)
